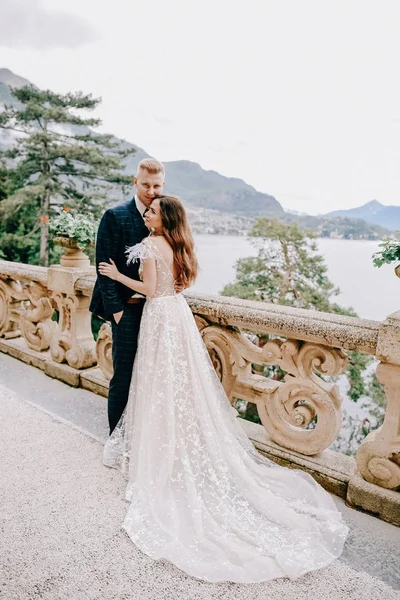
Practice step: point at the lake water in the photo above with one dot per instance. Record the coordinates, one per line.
(373, 293)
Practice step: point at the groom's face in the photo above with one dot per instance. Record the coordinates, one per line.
(148, 186)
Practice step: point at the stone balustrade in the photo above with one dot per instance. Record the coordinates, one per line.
(301, 413)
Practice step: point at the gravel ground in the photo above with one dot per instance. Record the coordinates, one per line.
(60, 519)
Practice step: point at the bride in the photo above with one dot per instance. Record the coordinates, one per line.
(200, 495)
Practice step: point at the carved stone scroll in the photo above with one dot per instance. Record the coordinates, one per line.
(302, 412)
(12, 295)
(104, 350)
(305, 413)
(73, 341)
(378, 457)
(35, 323)
(223, 348)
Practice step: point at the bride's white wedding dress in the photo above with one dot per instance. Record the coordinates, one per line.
(200, 495)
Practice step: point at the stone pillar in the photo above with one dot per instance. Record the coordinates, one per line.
(72, 341)
(378, 457)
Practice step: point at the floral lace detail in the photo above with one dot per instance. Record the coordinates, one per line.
(145, 250)
(200, 495)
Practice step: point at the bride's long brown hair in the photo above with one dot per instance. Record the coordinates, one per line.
(177, 232)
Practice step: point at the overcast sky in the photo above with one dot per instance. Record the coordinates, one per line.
(300, 98)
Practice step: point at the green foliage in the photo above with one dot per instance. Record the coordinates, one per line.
(96, 324)
(355, 428)
(353, 432)
(376, 394)
(358, 363)
(56, 160)
(390, 252)
(81, 228)
(288, 270)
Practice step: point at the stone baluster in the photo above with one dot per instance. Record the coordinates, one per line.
(25, 304)
(36, 325)
(378, 457)
(72, 341)
(12, 295)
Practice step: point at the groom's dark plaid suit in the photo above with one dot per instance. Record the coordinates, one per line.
(120, 227)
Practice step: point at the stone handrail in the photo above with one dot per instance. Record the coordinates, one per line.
(301, 412)
(329, 329)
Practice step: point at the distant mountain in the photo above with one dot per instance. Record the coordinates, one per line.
(7, 79)
(373, 212)
(338, 227)
(210, 195)
(196, 186)
(209, 189)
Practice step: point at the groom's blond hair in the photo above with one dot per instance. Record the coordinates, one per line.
(151, 165)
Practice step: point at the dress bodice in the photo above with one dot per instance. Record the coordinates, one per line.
(165, 284)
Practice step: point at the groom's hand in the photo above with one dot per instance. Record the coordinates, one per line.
(118, 316)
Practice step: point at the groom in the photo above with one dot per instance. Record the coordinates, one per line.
(120, 227)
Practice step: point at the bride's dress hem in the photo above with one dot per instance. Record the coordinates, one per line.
(230, 578)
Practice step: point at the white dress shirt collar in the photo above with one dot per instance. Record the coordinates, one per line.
(140, 206)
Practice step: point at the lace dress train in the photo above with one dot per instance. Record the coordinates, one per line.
(200, 495)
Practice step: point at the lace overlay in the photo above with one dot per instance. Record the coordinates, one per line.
(200, 495)
(165, 285)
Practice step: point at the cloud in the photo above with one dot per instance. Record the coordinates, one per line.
(28, 24)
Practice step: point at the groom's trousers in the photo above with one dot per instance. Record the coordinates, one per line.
(124, 346)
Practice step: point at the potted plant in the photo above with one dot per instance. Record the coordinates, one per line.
(389, 253)
(74, 233)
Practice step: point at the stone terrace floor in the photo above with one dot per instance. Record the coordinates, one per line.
(61, 512)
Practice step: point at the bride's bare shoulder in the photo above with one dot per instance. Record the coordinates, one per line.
(164, 249)
(160, 242)
(151, 242)
(153, 239)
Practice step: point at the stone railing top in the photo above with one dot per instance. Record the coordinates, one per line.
(85, 284)
(329, 329)
(23, 272)
(333, 330)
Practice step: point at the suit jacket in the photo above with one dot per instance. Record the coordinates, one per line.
(120, 227)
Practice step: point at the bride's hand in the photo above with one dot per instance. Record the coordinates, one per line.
(109, 270)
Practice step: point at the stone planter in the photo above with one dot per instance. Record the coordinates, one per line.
(73, 257)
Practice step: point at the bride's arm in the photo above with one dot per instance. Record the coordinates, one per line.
(147, 287)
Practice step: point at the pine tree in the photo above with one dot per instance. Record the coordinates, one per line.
(287, 270)
(57, 159)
